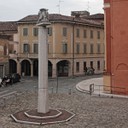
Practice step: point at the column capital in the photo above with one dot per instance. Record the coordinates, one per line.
(106, 5)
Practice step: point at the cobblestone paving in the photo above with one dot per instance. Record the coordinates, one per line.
(91, 112)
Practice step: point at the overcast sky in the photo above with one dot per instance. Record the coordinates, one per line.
(11, 10)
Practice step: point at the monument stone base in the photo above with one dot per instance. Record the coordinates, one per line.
(51, 117)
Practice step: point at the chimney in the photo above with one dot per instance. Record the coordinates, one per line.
(78, 14)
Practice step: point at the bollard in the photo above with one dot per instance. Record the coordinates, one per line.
(3, 103)
(52, 90)
(91, 87)
(69, 91)
(99, 90)
(15, 95)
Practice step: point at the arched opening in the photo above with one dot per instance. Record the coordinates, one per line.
(25, 68)
(122, 66)
(12, 66)
(49, 69)
(62, 68)
(35, 67)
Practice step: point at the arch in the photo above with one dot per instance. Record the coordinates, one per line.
(122, 66)
(21, 60)
(26, 67)
(63, 68)
(49, 68)
(12, 66)
(35, 67)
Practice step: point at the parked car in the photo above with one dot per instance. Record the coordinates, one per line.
(15, 77)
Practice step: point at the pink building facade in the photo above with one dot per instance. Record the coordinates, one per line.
(116, 29)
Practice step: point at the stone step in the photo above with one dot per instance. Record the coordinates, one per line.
(3, 92)
(7, 94)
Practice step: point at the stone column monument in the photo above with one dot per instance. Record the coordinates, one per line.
(42, 115)
(43, 21)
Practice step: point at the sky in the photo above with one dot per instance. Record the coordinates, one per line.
(13, 10)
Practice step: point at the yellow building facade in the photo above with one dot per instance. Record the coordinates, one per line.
(74, 43)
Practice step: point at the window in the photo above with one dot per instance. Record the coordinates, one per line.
(11, 48)
(98, 65)
(91, 64)
(84, 48)
(103, 47)
(91, 48)
(77, 32)
(85, 33)
(25, 31)
(50, 31)
(104, 64)
(35, 50)
(35, 31)
(26, 48)
(64, 31)
(5, 50)
(84, 66)
(77, 48)
(77, 66)
(64, 48)
(98, 34)
(91, 34)
(98, 48)
(49, 48)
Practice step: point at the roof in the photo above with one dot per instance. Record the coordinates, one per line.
(8, 26)
(60, 18)
(12, 26)
(96, 16)
(34, 18)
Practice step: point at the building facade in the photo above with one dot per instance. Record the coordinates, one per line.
(116, 69)
(74, 43)
(4, 64)
(7, 37)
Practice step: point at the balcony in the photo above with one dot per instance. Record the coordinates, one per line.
(28, 55)
(24, 55)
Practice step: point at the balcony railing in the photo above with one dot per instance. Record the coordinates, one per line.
(28, 55)
(50, 55)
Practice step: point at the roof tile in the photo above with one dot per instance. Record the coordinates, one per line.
(8, 26)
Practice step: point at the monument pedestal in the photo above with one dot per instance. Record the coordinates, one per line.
(34, 117)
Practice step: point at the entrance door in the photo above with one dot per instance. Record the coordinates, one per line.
(62, 68)
(1, 71)
(25, 68)
(12, 66)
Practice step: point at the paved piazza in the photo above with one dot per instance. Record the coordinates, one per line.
(90, 111)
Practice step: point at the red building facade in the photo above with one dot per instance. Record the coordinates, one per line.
(116, 29)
